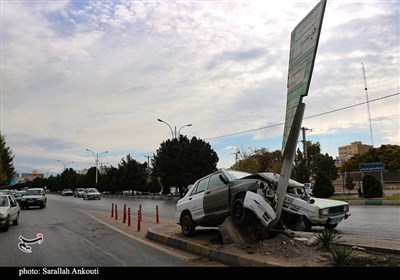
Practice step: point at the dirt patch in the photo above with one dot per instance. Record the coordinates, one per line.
(280, 249)
(289, 250)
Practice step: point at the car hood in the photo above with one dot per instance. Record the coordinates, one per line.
(325, 203)
(274, 178)
(3, 208)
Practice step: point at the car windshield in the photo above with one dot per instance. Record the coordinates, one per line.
(92, 190)
(33, 192)
(19, 194)
(233, 175)
(3, 201)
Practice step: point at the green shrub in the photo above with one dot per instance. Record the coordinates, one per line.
(372, 187)
(323, 187)
(328, 238)
(340, 255)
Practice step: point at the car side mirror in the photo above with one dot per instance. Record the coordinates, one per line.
(312, 201)
(223, 179)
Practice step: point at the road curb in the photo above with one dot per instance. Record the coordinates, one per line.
(374, 202)
(206, 252)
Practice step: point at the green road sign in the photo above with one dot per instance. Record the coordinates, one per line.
(303, 49)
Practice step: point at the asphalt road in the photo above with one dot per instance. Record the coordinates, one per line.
(72, 238)
(372, 221)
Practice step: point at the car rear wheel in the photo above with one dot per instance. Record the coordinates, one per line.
(6, 225)
(239, 214)
(187, 225)
(16, 221)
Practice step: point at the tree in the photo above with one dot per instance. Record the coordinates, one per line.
(349, 184)
(372, 187)
(7, 171)
(180, 161)
(324, 163)
(260, 160)
(249, 164)
(301, 170)
(323, 186)
(132, 174)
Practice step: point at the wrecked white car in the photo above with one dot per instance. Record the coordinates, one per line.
(244, 196)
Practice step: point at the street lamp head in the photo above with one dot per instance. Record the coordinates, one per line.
(160, 120)
(189, 124)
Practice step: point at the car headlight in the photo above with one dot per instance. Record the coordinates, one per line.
(346, 208)
(324, 212)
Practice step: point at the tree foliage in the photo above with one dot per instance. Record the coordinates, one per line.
(323, 186)
(180, 161)
(260, 160)
(302, 167)
(7, 171)
(349, 183)
(372, 187)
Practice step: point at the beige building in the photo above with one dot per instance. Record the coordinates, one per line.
(348, 151)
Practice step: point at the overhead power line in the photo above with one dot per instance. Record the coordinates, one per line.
(309, 117)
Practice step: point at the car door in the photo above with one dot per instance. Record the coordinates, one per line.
(195, 200)
(13, 208)
(216, 197)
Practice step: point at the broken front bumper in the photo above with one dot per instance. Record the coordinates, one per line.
(260, 207)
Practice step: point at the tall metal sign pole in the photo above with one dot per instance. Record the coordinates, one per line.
(303, 50)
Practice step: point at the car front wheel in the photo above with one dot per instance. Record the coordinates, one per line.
(330, 226)
(238, 212)
(187, 225)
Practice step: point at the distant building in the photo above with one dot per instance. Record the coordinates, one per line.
(21, 178)
(348, 151)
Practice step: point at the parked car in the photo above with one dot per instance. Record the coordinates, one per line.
(34, 197)
(78, 192)
(242, 196)
(9, 211)
(67, 192)
(91, 193)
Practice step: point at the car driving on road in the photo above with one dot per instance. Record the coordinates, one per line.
(9, 211)
(34, 197)
(78, 192)
(91, 193)
(67, 192)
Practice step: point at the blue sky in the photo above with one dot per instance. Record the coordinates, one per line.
(97, 75)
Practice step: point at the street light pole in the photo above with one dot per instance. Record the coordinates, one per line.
(96, 158)
(172, 133)
(179, 131)
(65, 163)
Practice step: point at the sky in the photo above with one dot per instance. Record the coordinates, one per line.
(78, 75)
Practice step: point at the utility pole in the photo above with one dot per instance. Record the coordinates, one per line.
(236, 156)
(148, 162)
(305, 152)
(369, 112)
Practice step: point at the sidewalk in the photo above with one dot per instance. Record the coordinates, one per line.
(205, 243)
